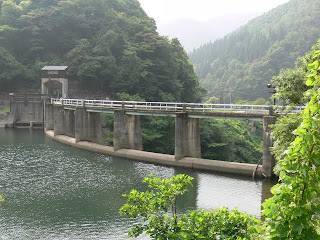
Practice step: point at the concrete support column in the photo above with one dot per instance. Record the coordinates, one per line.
(49, 124)
(120, 133)
(127, 131)
(59, 120)
(187, 137)
(69, 123)
(194, 144)
(95, 130)
(79, 124)
(134, 132)
(268, 159)
(88, 126)
(181, 146)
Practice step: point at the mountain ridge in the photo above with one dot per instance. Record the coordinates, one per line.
(244, 61)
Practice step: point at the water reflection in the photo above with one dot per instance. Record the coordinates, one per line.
(55, 191)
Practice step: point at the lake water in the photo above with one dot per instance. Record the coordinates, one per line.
(54, 191)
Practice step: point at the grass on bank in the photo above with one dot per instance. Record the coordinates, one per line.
(6, 110)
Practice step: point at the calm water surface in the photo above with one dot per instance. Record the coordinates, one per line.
(54, 191)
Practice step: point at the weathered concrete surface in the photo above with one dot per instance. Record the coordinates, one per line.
(268, 159)
(134, 132)
(187, 137)
(3, 119)
(127, 131)
(88, 126)
(69, 116)
(30, 111)
(49, 117)
(59, 120)
(163, 159)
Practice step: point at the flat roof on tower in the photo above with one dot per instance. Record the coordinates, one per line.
(54, 68)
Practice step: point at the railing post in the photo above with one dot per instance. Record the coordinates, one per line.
(123, 105)
(184, 107)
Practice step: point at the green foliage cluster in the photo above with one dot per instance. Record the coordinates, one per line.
(107, 44)
(160, 220)
(231, 140)
(291, 89)
(243, 62)
(293, 212)
(5, 110)
(283, 133)
(158, 134)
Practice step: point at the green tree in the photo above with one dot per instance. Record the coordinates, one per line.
(110, 45)
(161, 221)
(293, 211)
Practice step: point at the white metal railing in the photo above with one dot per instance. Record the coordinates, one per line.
(171, 106)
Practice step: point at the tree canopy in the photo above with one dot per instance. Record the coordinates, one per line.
(107, 44)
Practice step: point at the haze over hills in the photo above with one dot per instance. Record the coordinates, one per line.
(192, 33)
(244, 61)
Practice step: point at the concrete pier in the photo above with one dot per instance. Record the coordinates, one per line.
(127, 131)
(49, 119)
(88, 126)
(187, 137)
(134, 132)
(268, 159)
(69, 123)
(59, 120)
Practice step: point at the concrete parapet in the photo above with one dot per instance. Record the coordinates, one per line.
(187, 137)
(268, 159)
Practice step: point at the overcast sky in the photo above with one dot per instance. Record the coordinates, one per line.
(165, 11)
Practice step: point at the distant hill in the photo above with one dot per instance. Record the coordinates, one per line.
(241, 64)
(192, 34)
(110, 45)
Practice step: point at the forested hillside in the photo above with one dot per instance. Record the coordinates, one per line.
(240, 65)
(107, 44)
